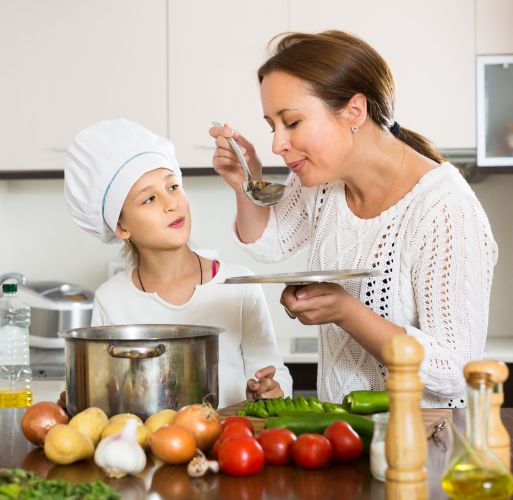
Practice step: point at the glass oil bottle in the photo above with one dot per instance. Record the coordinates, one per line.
(476, 472)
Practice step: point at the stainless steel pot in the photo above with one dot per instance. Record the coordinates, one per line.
(140, 369)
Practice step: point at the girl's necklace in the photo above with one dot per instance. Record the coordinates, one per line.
(199, 262)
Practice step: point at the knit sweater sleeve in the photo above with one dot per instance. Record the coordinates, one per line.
(259, 348)
(290, 226)
(453, 254)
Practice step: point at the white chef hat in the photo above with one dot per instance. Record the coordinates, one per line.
(103, 163)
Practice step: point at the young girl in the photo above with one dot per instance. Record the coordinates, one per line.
(122, 183)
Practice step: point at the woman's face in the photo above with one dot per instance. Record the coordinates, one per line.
(156, 213)
(312, 140)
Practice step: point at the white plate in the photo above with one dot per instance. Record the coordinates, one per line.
(305, 278)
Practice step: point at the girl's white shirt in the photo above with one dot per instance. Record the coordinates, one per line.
(436, 253)
(247, 344)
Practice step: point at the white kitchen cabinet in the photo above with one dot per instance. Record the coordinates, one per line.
(67, 64)
(494, 26)
(430, 48)
(215, 49)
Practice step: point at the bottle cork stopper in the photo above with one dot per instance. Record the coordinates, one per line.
(497, 369)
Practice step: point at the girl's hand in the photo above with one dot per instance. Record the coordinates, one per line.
(318, 304)
(225, 161)
(265, 386)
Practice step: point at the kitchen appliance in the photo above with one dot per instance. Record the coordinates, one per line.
(55, 306)
(140, 369)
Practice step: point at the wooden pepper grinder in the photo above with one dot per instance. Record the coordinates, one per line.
(498, 437)
(405, 442)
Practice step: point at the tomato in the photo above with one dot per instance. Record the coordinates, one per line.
(311, 451)
(236, 429)
(277, 445)
(345, 442)
(240, 420)
(224, 437)
(241, 456)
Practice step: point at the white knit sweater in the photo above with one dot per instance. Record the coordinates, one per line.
(436, 253)
(247, 344)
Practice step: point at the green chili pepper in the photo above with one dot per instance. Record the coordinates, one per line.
(303, 404)
(315, 405)
(289, 404)
(333, 408)
(269, 406)
(280, 406)
(365, 402)
(261, 410)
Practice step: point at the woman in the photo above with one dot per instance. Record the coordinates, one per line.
(123, 184)
(366, 193)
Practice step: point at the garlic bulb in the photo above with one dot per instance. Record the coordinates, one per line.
(121, 454)
(199, 465)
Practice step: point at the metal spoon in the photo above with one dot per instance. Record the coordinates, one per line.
(259, 192)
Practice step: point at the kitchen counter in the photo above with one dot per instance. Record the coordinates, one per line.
(347, 481)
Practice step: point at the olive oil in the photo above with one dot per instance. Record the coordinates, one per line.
(15, 371)
(476, 472)
(464, 481)
(15, 399)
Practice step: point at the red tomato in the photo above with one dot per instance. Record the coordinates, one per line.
(311, 451)
(277, 445)
(231, 431)
(235, 429)
(241, 420)
(345, 442)
(240, 456)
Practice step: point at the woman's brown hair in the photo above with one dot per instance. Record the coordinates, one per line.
(337, 66)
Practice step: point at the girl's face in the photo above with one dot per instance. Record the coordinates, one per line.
(312, 140)
(156, 213)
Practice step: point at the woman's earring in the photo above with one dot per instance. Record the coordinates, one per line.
(354, 128)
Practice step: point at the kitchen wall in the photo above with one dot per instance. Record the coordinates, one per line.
(38, 237)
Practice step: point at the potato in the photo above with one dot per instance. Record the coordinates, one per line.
(123, 417)
(142, 432)
(64, 444)
(91, 422)
(163, 417)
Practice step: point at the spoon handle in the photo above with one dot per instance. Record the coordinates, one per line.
(239, 154)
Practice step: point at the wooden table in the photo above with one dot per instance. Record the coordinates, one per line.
(273, 483)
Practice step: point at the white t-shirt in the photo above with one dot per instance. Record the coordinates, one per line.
(247, 344)
(436, 253)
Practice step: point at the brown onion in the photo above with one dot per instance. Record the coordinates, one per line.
(203, 421)
(39, 418)
(173, 444)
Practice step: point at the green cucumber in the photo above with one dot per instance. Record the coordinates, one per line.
(316, 423)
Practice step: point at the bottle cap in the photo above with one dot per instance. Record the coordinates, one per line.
(9, 288)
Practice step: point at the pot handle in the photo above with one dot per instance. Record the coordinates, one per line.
(136, 352)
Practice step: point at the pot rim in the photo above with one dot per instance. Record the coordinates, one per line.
(140, 332)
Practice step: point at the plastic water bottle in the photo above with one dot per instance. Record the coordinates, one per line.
(15, 372)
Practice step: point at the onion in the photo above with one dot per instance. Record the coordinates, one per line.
(173, 444)
(203, 421)
(39, 418)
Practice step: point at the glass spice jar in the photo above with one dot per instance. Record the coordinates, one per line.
(378, 459)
